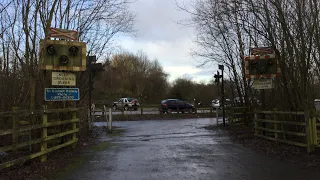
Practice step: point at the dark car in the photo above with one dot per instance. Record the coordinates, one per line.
(177, 105)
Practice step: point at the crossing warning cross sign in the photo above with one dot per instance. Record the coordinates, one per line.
(63, 34)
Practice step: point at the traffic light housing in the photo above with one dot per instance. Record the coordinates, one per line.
(217, 77)
(262, 63)
(62, 55)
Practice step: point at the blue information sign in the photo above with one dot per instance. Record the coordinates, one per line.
(62, 94)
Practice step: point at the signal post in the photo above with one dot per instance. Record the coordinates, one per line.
(63, 55)
(263, 67)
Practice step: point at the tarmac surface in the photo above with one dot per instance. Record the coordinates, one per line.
(178, 150)
(145, 111)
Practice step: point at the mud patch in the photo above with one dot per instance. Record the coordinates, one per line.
(116, 131)
(35, 170)
(245, 136)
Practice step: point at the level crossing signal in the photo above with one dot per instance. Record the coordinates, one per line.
(62, 55)
(217, 77)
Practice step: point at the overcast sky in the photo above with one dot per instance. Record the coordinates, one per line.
(161, 37)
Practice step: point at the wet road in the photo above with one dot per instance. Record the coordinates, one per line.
(177, 149)
(146, 111)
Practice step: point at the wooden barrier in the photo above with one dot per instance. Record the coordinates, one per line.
(42, 126)
(158, 111)
(239, 115)
(299, 130)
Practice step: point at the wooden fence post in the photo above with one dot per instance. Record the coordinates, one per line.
(110, 120)
(310, 147)
(314, 128)
(15, 126)
(89, 119)
(217, 116)
(275, 126)
(105, 114)
(44, 133)
(284, 136)
(255, 123)
(231, 117)
(74, 127)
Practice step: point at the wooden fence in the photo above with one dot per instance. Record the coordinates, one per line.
(157, 110)
(237, 114)
(105, 112)
(294, 128)
(35, 134)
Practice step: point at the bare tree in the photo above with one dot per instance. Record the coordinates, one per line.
(227, 29)
(134, 75)
(24, 22)
(220, 36)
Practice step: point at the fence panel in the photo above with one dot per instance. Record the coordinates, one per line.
(42, 128)
(294, 128)
(236, 114)
(316, 129)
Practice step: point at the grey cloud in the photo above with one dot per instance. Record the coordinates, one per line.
(156, 21)
(160, 37)
(204, 73)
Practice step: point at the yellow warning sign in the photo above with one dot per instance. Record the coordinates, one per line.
(63, 79)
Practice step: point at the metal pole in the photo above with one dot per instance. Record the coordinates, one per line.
(263, 101)
(223, 108)
(90, 87)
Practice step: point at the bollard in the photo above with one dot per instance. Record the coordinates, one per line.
(122, 108)
(217, 116)
(89, 119)
(256, 124)
(110, 120)
(105, 114)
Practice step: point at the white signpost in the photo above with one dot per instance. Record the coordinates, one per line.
(263, 84)
(63, 79)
